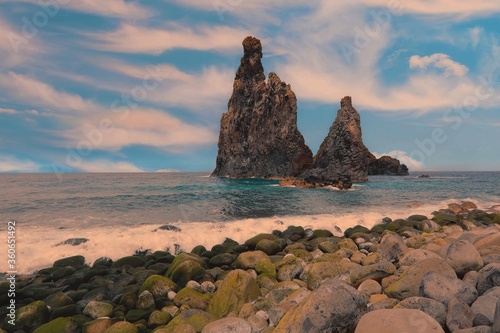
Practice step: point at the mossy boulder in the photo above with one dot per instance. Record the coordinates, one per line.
(30, 316)
(122, 327)
(294, 233)
(252, 242)
(57, 300)
(328, 247)
(223, 259)
(158, 318)
(77, 262)
(98, 309)
(59, 325)
(237, 288)
(198, 250)
(267, 246)
(132, 261)
(416, 218)
(64, 311)
(319, 272)
(249, 260)
(445, 218)
(158, 286)
(320, 233)
(186, 267)
(194, 317)
(357, 228)
(98, 325)
(63, 272)
(135, 315)
(265, 267)
(496, 220)
(192, 298)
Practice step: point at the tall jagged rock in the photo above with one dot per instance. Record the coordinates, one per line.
(342, 153)
(258, 134)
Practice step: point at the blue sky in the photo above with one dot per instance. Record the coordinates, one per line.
(100, 86)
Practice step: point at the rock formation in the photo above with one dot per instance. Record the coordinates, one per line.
(386, 165)
(258, 134)
(342, 152)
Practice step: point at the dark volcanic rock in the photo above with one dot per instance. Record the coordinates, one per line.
(259, 135)
(386, 165)
(342, 153)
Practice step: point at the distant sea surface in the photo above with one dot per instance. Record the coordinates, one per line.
(119, 213)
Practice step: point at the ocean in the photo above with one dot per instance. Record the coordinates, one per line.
(120, 213)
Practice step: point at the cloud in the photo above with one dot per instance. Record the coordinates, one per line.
(31, 91)
(147, 127)
(130, 38)
(475, 35)
(107, 166)
(403, 157)
(13, 164)
(439, 60)
(8, 111)
(16, 50)
(111, 8)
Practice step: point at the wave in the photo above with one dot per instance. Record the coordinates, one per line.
(116, 241)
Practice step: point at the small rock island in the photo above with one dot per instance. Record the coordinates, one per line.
(259, 137)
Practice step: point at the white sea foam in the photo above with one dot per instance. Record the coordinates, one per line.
(36, 247)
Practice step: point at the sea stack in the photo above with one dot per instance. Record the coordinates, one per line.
(342, 153)
(258, 134)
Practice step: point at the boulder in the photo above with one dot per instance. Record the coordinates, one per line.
(31, 316)
(122, 327)
(397, 321)
(237, 288)
(145, 301)
(250, 259)
(77, 262)
(158, 318)
(463, 257)
(334, 307)
(267, 246)
(191, 298)
(459, 315)
(414, 255)
(435, 309)
(59, 325)
(375, 272)
(445, 288)
(132, 261)
(186, 267)
(392, 247)
(489, 277)
(158, 286)
(97, 309)
(409, 282)
(197, 319)
(228, 325)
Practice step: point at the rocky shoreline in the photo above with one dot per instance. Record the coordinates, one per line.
(436, 273)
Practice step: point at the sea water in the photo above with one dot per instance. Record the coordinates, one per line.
(120, 213)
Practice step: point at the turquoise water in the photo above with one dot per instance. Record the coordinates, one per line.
(120, 213)
(170, 197)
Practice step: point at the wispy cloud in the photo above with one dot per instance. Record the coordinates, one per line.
(8, 111)
(129, 38)
(147, 127)
(13, 164)
(111, 8)
(441, 61)
(30, 91)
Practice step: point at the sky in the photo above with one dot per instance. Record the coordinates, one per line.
(132, 86)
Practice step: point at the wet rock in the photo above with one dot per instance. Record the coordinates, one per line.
(249, 260)
(198, 319)
(122, 327)
(77, 262)
(267, 246)
(59, 325)
(158, 286)
(145, 301)
(73, 241)
(158, 318)
(30, 316)
(191, 298)
(132, 261)
(186, 267)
